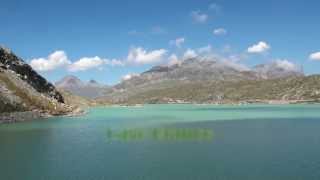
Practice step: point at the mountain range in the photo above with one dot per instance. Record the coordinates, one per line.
(203, 80)
(199, 69)
(193, 80)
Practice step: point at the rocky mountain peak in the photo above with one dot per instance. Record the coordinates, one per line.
(73, 84)
(69, 81)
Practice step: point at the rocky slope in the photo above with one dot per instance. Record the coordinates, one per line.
(190, 70)
(284, 90)
(203, 80)
(91, 89)
(24, 90)
(77, 101)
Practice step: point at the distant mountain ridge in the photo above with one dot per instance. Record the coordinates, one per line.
(169, 82)
(197, 69)
(190, 70)
(73, 84)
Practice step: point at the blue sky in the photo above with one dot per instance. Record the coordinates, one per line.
(106, 40)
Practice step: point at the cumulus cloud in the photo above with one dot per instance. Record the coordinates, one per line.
(114, 62)
(141, 56)
(259, 47)
(219, 31)
(199, 17)
(59, 59)
(177, 42)
(86, 63)
(286, 65)
(205, 49)
(235, 65)
(190, 53)
(55, 60)
(202, 51)
(129, 76)
(315, 56)
(173, 60)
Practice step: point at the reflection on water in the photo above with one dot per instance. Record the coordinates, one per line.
(160, 134)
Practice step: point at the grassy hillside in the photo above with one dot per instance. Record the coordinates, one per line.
(286, 89)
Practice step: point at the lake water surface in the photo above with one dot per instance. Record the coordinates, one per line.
(253, 142)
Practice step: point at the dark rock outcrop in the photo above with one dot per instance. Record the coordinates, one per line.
(11, 62)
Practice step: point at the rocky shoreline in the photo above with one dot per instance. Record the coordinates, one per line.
(225, 102)
(15, 117)
(32, 115)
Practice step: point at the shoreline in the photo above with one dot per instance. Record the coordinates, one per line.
(16, 117)
(247, 102)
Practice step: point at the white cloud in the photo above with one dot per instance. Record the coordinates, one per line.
(59, 59)
(315, 56)
(53, 61)
(205, 49)
(141, 56)
(129, 76)
(259, 48)
(177, 42)
(87, 63)
(199, 17)
(286, 65)
(173, 60)
(190, 53)
(220, 31)
(235, 65)
(114, 62)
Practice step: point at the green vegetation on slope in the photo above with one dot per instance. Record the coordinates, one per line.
(285, 89)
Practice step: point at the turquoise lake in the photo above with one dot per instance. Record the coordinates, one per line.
(249, 142)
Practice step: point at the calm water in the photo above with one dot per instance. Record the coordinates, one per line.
(256, 142)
